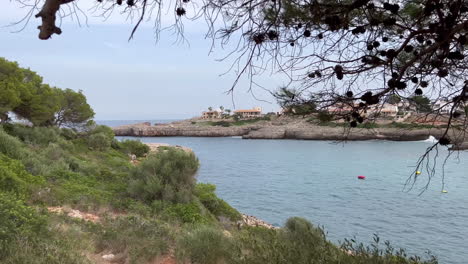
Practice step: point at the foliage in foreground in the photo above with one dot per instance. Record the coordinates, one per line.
(146, 210)
(167, 175)
(297, 242)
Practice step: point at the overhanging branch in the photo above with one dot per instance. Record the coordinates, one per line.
(48, 15)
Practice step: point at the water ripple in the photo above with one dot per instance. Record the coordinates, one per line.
(277, 179)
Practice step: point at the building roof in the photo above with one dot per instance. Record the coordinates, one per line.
(247, 111)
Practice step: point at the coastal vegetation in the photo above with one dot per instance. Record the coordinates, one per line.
(25, 95)
(233, 121)
(75, 194)
(145, 211)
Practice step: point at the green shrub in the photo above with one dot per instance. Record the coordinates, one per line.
(324, 117)
(218, 207)
(251, 121)
(141, 240)
(55, 152)
(134, 147)
(115, 144)
(35, 135)
(167, 175)
(187, 213)
(205, 245)
(301, 233)
(221, 123)
(99, 141)
(17, 218)
(10, 145)
(33, 250)
(14, 178)
(262, 246)
(300, 242)
(68, 133)
(95, 129)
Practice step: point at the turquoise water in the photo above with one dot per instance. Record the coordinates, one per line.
(277, 179)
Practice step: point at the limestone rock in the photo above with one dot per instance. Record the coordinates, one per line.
(108, 257)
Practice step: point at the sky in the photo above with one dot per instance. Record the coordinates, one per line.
(132, 80)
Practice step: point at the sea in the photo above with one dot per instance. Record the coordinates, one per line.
(317, 180)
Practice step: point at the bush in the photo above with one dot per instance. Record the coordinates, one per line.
(10, 145)
(187, 213)
(57, 249)
(300, 242)
(251, 121)
(134, 147)
(302, 233)
(35, 135)
(14, 178)
(324, 117)
(17, 218)
(95, 129)
(99, 141)
(68, 133)
(221, 123)
(205, 245)
(55, 152)
(218, 207)
(167, 175)
(141, 240)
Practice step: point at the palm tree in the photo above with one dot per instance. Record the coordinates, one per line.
(210, 108)
(221, 108)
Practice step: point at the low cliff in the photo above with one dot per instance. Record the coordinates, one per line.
(278, 129)
(339, 133)
(141, 130)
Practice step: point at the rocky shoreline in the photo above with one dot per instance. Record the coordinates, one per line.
(279, 129)
(249, 220)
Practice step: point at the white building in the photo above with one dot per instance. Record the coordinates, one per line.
(249, 113)
(213, 114)
(383, 110)
(442, 106)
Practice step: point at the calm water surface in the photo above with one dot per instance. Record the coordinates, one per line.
(277, 179)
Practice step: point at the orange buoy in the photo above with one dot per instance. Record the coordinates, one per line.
(361, 177)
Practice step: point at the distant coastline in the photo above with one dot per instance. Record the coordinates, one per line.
(278, 128)
(116, 123)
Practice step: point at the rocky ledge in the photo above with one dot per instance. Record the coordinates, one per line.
(292, 128)
(249, 220)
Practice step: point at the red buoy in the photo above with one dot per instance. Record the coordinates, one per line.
(361, 177)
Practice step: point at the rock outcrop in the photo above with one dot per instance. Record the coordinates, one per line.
(249, 220)
(155, 147)
(340, 133)
(277, 129)
(180, 130)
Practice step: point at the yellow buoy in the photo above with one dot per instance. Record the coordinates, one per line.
(418, 172)
(444, 191)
